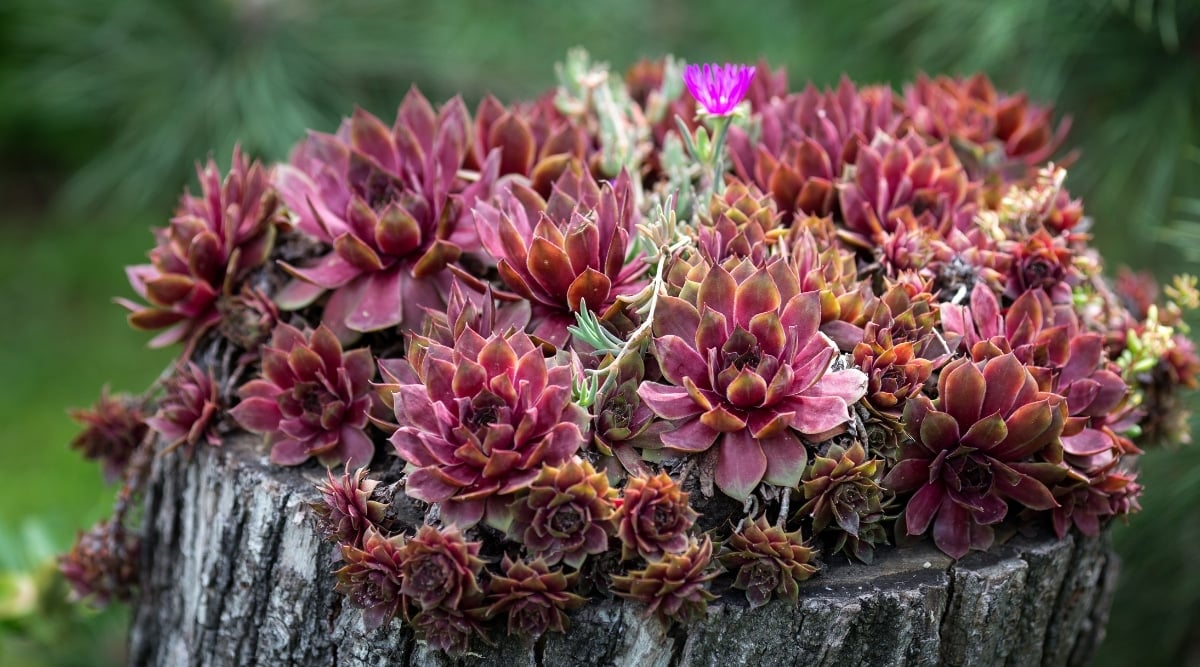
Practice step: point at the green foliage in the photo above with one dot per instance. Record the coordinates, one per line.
(39, 625)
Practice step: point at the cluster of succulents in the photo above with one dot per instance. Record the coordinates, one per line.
(650, 333)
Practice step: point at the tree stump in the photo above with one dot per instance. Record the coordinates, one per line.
(234, 574)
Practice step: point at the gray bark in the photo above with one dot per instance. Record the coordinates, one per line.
(234, 574)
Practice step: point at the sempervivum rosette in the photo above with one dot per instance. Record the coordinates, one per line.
(749, 373)
(654, 517)
(113, 429)
(534, 140)
(393, 206)
(896, 178)
(972, 111)
(674, 586)
(1047, 338)
(483, 419)
(209, 246)
(345, 512)
(769, 561)
(807, 140)
(371, 577)
(311, 400)
(533, 597)
(992, 437)
(188, 411)
(566, 251)
(567, 513)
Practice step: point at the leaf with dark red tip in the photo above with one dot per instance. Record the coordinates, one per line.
(328, 349)
(512, 135)
(939, 431)
(758, 294)
(721, 419)
(717, 292)
(437, 257)
(356, 253)
(1022, 488)
(962, 393)
(1030, 428)
(397, 233)
(498, 358)
(986, 433)
(205, 259)
(149, 319)
(747, 389)
(550, 267)
(168, 289)
(590, 286)
(368, 135)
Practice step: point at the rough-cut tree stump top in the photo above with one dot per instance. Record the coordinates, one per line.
(234, 574)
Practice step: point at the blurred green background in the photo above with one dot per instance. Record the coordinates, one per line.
(105, 106)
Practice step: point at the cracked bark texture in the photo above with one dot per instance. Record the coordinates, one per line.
(234, 574)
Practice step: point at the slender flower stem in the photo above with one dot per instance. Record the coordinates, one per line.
(634, 345)
(717, 160)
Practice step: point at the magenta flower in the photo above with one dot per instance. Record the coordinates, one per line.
(718, 88)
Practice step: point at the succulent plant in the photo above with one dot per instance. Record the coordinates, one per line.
(533, 140)
(102, 566)
(562, 252)
(441, 570)
(898, 178)
(654, 517)
(481, 421)
(1046, 337)
(210, 245)
(114, 427)
(345, 511)
(806, 141)
(468, 308)
(876, 316)
(738, 223)
(373, 576)
(895, 371)
(311, 400)
(971, 110)
(391, 203)
(1086, 503)
(675, 586)
(189, 409)
(1043, 262)
(748, 370)
(247, 318)
(974, 449)
(450, 630)
(841, 489)
(566, 513)
(768, 560)
(621, 423)
(532, 597)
